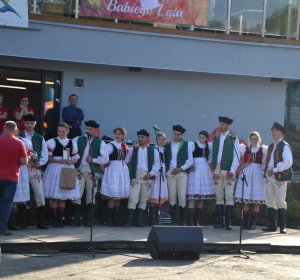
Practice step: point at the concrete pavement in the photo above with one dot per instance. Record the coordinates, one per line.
(120, 237)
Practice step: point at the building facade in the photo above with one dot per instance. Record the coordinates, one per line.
(137, 76)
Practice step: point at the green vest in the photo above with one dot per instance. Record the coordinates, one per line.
(227, 153)
(182, 154)
(37, 143)
(285, 175)
(134, 160)
(95, 147)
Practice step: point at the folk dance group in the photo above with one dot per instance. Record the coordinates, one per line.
(192, 172)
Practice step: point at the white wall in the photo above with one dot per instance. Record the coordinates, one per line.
(117, 97)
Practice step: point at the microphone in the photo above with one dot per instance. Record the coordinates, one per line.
(87, 134)
(155, 127)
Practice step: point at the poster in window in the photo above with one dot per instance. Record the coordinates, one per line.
(185, 12)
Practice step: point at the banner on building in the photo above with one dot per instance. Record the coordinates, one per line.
(186, 12)
(14, 13)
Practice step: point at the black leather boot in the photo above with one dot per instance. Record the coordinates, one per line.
(88, 215)
(282, 220)
(131, 218)
(181, 218)
(152, 215)
(197, 217)
(272, 221)
(110, 214)
(60, 214)
(252, 222)
(40, 213)
(228, 216)
(116, 217)
(190, 216)
(54, 217)
(220, 216)
(141, 218)
(23, 216)
(77, 221)
(173, 213)
(245, 219)
(12, 221)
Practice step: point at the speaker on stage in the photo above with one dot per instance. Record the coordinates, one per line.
(175, 242)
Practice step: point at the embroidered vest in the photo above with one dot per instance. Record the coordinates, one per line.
(37, 143)
(182, 154)
(134, 160)
(227, 153)
(117, 154)
(58, 150)
(285, 175)
(95, 149)
(199, 152)
(253, 157)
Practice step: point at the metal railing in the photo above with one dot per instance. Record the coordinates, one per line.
(268, 18)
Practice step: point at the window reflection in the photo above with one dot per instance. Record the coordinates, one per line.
(247, 16)
(63, 7)
(276, 17)
(217, 14)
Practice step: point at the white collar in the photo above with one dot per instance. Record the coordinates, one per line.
(225, 133)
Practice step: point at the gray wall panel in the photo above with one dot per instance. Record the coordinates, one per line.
(139, 100)
(149, 50)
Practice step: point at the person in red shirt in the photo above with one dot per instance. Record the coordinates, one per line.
(12, 155)
(3, 113)
(21, 111)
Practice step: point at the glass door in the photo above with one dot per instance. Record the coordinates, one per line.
(50, 105)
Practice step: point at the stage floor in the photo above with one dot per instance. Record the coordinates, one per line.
(104, 233)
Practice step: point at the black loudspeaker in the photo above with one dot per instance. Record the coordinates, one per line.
(175, 242)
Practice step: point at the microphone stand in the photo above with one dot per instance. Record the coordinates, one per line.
(160, 177)
(93, 175)
(244, 181)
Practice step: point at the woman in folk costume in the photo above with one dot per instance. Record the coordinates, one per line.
(200, 182)
(57, 147)
(254, 193)
(154, 192)
(116, 180)
(22, 193)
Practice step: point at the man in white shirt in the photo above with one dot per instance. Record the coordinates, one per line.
(225, 162)
(278, 172)
(39, 157)
(143, 168)
(92, 152)
(179, 158)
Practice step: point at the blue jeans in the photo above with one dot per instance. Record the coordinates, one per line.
(7, 193)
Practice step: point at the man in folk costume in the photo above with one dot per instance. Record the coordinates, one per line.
(143, 168)
(277, 173)
(38, 159)
(92, 152)
(179, 158)
(224, 164)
